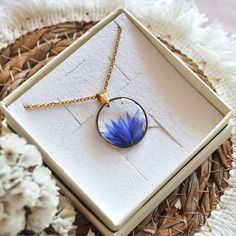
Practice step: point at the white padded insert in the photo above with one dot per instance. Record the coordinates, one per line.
(116, 182)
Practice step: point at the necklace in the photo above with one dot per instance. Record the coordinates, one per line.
(121, 121)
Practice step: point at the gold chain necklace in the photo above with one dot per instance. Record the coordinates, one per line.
(121, 121)
(101, 96)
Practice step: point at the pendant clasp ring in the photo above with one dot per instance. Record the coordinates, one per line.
(102, 97)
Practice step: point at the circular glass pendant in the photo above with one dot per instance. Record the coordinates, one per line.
(122, 122)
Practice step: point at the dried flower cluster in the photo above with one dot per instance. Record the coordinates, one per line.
(64, 219)
(28, 194)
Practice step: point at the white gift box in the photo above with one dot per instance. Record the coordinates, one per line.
(117, 188)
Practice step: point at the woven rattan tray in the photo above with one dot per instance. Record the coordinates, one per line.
(188, 207)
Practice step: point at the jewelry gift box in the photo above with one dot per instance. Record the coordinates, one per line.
(115, 188)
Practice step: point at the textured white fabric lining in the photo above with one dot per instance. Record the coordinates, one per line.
(177, 22)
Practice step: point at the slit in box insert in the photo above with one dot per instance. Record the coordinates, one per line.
(116, 183)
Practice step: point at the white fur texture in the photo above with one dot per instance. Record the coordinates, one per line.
(177, 22)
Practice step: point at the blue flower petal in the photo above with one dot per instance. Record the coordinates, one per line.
(125, 132)
(136, 126)
(113, 140)
(111, 130)
(138, 134)
(112, 134)
(124, 129)
(121, 130)
(128, 116)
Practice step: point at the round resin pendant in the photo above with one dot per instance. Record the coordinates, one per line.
(122, 122)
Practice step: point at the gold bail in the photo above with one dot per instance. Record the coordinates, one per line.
(102, 97)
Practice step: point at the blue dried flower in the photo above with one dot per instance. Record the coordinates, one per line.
(125, 132)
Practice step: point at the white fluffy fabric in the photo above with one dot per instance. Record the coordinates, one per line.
(177, 22)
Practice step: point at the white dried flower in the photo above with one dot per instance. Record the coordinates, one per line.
(46, 206)
(40, 218)
(41, 175)
(64, 219)
(48, 195)
(11, 146)
(12, 220)
(5, 171)
(30, 156)
(18, 152)
(14, 178)
(28, 194)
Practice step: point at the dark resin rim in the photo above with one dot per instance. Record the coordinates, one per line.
(117, 98)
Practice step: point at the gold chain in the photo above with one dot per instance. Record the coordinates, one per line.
(83, 99)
